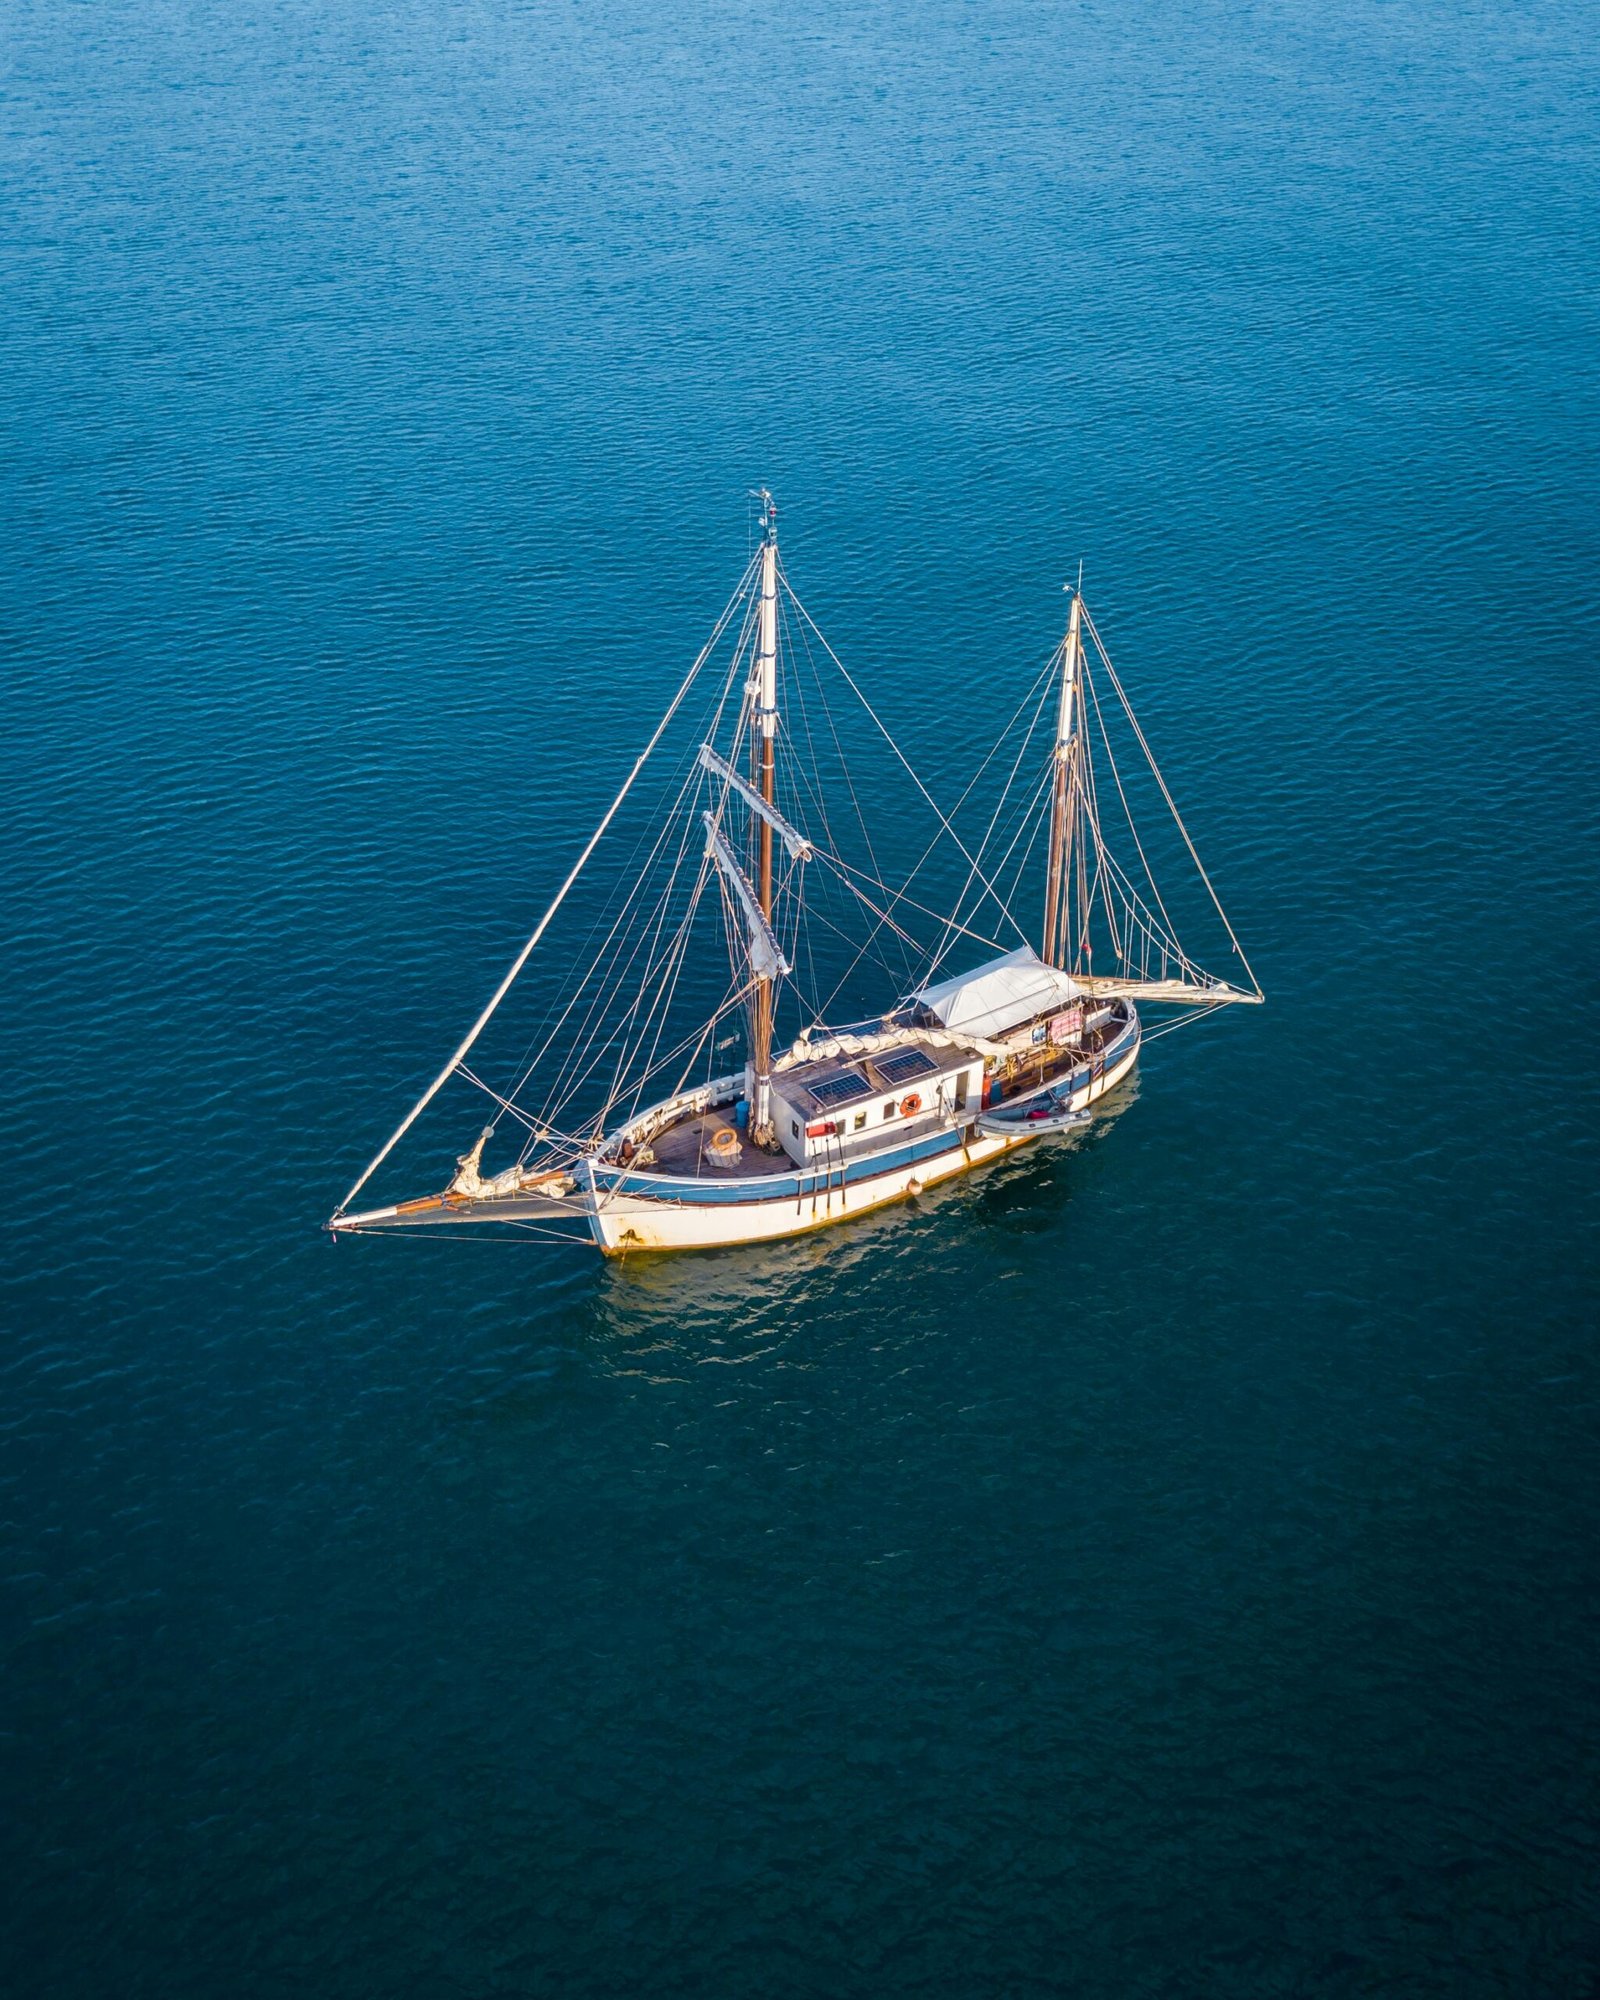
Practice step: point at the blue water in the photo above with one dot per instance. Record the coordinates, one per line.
(1164, 1567)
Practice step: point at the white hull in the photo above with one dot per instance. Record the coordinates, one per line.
(623, 1222)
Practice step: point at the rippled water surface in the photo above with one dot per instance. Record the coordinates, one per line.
(1165, 1567)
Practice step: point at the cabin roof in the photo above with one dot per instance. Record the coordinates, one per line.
(815, 1087)
(995, 997)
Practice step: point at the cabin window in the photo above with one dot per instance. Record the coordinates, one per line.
(961, 1092)
(861, 1121)
(794, 1126)
(888, 1109)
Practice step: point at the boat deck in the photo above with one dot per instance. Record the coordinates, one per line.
(683, 1149)
(1031, 1069)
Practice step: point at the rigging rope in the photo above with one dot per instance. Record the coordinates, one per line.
(1039, 695)
(901, 757)
(690, 775)
(1149, 876)
(1127, 709)
(526, 952)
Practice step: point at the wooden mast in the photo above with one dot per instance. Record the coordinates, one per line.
(766, 720)
(1057, 891)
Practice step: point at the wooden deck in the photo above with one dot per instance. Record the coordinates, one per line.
(683, 1149)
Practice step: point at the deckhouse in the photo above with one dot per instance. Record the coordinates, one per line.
(841, 1106)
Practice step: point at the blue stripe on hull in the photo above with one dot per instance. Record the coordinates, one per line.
(798, 1187)
(777, 1187)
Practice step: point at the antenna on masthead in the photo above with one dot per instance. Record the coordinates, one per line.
(766, 513)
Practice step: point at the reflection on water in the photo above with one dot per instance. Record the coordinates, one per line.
(748, 1303)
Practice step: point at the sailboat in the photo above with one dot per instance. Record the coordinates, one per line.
(638, 1137)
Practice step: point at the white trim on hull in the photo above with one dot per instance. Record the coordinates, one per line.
(624, 1222)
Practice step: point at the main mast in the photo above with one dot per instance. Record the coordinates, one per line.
(764, 747)
(1057, 896)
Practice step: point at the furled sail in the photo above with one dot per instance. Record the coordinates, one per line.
(1174, 992)
(766, 958)
(799, 848)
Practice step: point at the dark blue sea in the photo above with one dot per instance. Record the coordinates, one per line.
(1164, 1565)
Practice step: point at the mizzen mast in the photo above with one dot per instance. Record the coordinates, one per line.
(764, 757)
(1057, 896)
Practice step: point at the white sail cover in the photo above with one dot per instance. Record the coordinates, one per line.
(766, 956)
(1202, 991)
(992, 999)
(798, 847)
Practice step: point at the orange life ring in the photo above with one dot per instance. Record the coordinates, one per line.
(910, 1106)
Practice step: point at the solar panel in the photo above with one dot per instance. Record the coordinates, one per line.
(844, 1089)
(903, 1064)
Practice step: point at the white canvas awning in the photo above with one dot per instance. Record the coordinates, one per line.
(993, 999)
